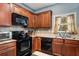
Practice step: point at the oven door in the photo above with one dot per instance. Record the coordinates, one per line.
(46, 44)
(24, 47)
(25, 44)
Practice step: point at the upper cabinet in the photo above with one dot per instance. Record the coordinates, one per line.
(46, 19)
(5, 14)
(43, 20)
(37, 20)
(30, 20)
(4, 7)
(40, 20)
(19, 10)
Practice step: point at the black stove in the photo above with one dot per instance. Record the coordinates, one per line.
(23, 44)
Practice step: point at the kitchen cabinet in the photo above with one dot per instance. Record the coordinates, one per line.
(8, 49)
(40, 20)
(5, 14)
(43, 20)
(57, 46)
(46, 19)
(77, 50)
(4, 7)
(65, 47)
(69, 50)
(37, 23)
(57, 49)
(19, 10)
(8, 52)
(36, 44)
(30, 20)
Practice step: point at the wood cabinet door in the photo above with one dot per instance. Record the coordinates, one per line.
(4, 7)
(46, 22)
(5, 14)
(36, 44)
(40, 20)
(77, 50)
(12, 51)
(31, 20)
(17, 9)
(57, 49)
(36, 22)
(8, 52)
(69, 50)
(5, 18)
(3, 54)
(57, 45)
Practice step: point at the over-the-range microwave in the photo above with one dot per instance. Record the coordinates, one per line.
(5, 36)
(19, 20)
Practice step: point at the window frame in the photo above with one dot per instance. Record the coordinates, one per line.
(65, 15)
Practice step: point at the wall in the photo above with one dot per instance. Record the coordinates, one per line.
(59, 9)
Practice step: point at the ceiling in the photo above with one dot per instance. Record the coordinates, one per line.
(37, 6)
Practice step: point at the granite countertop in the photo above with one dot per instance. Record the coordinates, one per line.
(7, 41)
(54, 36)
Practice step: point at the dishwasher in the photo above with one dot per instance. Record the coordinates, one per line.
(46, 45)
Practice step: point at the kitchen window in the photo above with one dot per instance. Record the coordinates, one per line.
(65, 23)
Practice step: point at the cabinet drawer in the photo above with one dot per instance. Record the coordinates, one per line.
(72, 41)
(7, 45)
(58, 40)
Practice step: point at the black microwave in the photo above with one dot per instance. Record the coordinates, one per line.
(19, 20)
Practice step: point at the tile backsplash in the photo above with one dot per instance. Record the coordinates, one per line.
(13, 28)
(43, 32)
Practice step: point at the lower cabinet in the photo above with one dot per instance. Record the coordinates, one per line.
(36, 44)
(8, 52)
(39, 43)
(69, 50)
(65, 47)
(57, 49)
(8, 49)
(57, 45)
(77, 50)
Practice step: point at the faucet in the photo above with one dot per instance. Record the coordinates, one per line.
(63, 34)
